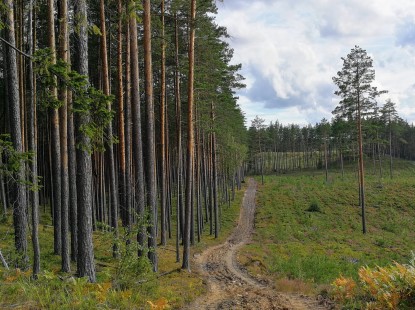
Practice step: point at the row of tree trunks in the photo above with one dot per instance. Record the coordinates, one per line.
(87, 188)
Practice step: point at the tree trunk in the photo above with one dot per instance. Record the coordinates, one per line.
(342, 163)
(121, 121)
(110, 151)
(63, 114)
(163, 130)
(151, 151)
(86, 264)
(326, 160)
(32, 143)
(73, 200)
(379, 156)
(361, 169)
(190, 139)
(3, 192)
(55, 142)
(215, 175)
(390, 150)
(127, 218)
(137, 134)
(21, 66)
(179, 205)
(20, 207)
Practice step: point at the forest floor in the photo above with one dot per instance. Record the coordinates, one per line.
(229, 285)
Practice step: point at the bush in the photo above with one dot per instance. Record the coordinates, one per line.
(391, 287)
(314, 207)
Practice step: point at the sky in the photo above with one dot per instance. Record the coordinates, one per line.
(291, 49)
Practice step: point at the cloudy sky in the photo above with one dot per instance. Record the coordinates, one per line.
(291, 49)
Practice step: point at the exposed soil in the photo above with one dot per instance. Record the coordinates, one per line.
(229, 286)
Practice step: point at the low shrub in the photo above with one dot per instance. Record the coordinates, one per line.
(391, 287)
(314, 207)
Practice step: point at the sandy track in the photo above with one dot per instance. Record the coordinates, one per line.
(229, 287)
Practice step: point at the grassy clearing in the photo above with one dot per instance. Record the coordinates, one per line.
(122, 284)
(306, 250)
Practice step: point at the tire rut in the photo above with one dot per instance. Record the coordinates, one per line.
(229, 287)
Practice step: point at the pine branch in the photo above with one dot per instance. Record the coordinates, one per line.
(16, 49)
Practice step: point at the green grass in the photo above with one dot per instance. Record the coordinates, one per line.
(121, 284)
(292, 243)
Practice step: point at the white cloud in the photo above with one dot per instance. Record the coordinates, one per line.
(290, 50)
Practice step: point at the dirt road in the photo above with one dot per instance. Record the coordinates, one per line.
(229, 287)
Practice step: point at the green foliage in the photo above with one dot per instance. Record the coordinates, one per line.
(3, 11)
(131, 269)
(354, 85)
(135, 6)
(14, 161)
(314, 207)
(94, 29)
(88, 101)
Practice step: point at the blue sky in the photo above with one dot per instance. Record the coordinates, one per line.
(291, 49)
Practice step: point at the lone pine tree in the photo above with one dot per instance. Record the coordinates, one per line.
(358, 100)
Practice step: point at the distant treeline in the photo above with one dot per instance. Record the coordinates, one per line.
(279, 148)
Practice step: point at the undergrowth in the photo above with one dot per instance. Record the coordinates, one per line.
(125, 283)
(391, 287)
(293, 242)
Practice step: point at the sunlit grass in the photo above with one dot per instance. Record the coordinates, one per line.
(316, 247)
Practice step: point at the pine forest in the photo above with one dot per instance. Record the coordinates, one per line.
(132, 178)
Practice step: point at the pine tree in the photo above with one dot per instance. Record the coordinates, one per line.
(63, 118)
(85, 260)
(151, 146)
(358, 100)
(190, 140)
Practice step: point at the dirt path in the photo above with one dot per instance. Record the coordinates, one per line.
(229, 287)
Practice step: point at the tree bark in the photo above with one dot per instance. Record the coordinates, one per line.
(179, 205)
(110, 151)
(55, 142)
(63, 115)
(361, 168)
(127, 219)
(190, 139)
(137, 133)
(32, 144)
(20, 206)
(86, 264)
(3, 192)
(163, 130)
(73, 200)
(121, 119)
(214, 174)
(390, 149)
(151, 150)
